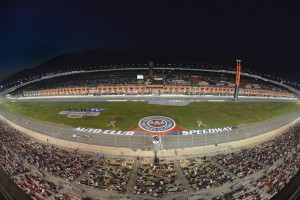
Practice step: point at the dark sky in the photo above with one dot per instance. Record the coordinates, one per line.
(264, 34)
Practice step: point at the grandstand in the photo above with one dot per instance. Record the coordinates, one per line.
(28, 161)
(173, 81)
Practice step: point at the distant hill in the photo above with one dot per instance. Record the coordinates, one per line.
(92, 57)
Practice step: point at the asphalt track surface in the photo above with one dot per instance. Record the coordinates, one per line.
(208, 98)
(145, 141)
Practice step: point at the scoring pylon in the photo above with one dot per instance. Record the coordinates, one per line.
(237, 79)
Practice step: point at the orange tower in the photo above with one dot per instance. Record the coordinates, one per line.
(237, 79)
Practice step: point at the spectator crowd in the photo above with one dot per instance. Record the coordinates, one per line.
(201, 173)
(109, 174)
(35, 186)
(279, 177)
(155, 179)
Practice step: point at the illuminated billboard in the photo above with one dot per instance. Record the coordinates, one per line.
(140, 77)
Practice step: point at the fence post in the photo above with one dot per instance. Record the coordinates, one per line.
(227, 136)
(129, 141)
(115, 139)
(177, 139)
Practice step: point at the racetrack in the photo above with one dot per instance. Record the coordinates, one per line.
(197, 98)
(144, 141)
(112, 139)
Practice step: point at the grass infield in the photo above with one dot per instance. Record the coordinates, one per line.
(128, 114)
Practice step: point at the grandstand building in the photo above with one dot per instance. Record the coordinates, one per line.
(166, 81)
(133, 89)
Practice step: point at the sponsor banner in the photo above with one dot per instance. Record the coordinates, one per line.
(153, 125)
(205, 131)
(74, 116)
(80, 112)
(186, 132)
(101, 131)
(85, 109)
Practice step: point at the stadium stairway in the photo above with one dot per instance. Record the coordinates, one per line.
(182, 177)
(132, 177)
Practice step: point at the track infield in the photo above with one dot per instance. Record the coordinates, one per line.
(127, 114)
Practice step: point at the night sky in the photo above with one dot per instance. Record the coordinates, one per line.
(264, 34)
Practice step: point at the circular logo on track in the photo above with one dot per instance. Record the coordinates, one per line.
(157, 123)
